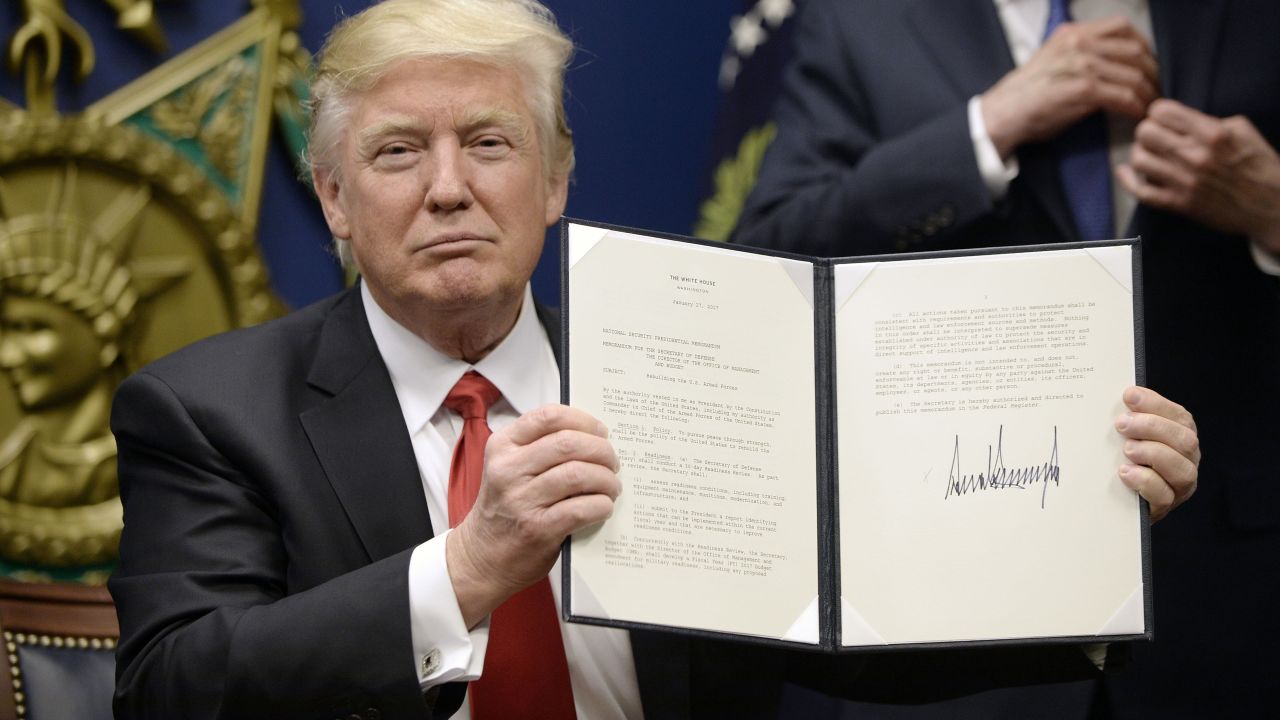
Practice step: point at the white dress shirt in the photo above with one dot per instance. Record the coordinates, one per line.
(522, 367)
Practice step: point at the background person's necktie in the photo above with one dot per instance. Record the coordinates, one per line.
(525, 672)
(1083, 161)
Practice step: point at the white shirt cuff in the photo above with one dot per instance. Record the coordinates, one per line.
(1266, 261)
(1097, 654)
(443, 649)
(996, 173)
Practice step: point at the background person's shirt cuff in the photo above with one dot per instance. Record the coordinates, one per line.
(443, 649)
(1266, 261)
(996, 173)
(1097, 654)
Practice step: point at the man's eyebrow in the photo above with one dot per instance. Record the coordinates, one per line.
(511, 122)
(384, 128)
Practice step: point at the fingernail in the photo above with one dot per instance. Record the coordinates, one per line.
(601, 430)
(1122, 422)
(1128, 476)
(1132, 396)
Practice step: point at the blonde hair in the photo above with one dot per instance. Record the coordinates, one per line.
(360, 50)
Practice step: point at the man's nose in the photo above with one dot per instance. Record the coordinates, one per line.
(449, 181)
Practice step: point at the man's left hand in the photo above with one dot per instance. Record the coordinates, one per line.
(1218, 171)
(1162, 449)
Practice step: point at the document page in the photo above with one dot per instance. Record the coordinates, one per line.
(978, 488)
(700, 362)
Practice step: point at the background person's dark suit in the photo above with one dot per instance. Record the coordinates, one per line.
(272, 502)
(873, 154)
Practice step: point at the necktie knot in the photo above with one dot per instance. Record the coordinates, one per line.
(472, 396)
(1059, 12)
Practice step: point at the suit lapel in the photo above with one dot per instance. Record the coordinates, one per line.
(361, 442)
(549, 318)
(968, 43)
(1188, 33)
(359, 436)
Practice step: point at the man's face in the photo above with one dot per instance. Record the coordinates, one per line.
(442, 191)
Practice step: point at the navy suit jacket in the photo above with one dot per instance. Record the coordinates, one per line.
(262, 573)
(272, 501)
(873, 155)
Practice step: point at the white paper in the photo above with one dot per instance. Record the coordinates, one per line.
(700, 361)
(952, 372)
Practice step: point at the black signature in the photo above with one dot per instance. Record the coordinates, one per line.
(999, 477)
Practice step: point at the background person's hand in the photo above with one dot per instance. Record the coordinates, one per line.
(1218, 171)
(1082, 68)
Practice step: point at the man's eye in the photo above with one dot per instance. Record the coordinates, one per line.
(395, 155)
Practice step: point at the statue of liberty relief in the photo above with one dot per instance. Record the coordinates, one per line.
(153, 187)
(67, 303)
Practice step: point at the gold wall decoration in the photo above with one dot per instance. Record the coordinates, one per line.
(734, 178)
(126, 231)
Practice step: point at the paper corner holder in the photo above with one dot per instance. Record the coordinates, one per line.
(855, 630)
(848, 278)
(584, 602)
(1117, 261)
(801, 273)
(1129, 618)
(806, 627)
(582, 240)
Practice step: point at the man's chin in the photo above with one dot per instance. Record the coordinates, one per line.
(473, 295)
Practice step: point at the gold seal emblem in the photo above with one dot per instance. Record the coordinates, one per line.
(126, 231)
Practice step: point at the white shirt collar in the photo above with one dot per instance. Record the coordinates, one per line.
(1024, 20)
(1080, 9)
(422, 376)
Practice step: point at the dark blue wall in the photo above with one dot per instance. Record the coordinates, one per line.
(642, 101)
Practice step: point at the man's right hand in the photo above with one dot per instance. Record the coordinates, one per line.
(1082, 68)
(547, 475)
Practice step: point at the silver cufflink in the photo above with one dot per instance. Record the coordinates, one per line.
(430, 662)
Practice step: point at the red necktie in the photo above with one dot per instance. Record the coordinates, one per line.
(525, 672)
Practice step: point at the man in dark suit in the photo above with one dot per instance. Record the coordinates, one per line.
(309, 528)
(940, 124)
(294, 545)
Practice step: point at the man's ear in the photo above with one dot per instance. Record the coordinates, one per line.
(327, 189)
(557, 196)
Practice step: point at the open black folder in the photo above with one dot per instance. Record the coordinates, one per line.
(912, 450)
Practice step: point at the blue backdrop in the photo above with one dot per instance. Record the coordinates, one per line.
(642, 99)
